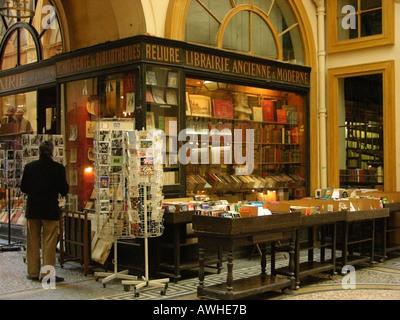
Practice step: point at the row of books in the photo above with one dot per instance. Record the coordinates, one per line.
(267, 134)
(286, 114)
(228, 182)
(276, 155)
(373, 175)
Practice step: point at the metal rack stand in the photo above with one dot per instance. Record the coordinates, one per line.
(145, 282)
(145, 162)
(112, 219)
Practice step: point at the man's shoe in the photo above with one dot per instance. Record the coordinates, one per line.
(32, 278)
(58, 279)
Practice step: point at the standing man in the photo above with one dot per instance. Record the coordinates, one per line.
(43, 180)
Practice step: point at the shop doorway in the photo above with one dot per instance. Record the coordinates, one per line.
(48, 112)
(361, 134)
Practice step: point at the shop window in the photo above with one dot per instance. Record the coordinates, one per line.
(26, 40)
(259, 27)
(245, 140)
(359, 23)
(18, 115)
(87, 101)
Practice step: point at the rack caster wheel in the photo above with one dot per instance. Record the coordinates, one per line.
(127, 287)
(137, 295)
(163, 292)
(96, 279)
(104, 285)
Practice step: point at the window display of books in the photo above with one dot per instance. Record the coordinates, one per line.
(264, 127)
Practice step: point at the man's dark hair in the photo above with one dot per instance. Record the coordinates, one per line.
(46, 149)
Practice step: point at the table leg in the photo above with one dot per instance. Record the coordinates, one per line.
(201, 272)
(229, 277)
(291, 261)
(273, 245)
(263, 259)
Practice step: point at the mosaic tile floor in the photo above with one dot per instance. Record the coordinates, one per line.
(379, 282)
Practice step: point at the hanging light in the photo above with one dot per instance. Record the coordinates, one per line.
(17, 8)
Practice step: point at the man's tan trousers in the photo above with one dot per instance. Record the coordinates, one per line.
(41, 234)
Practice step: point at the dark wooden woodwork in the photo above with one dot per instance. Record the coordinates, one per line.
(357, 241)
(385, 229)
(325, 223)
(175, 239)
(75, 230)
(229, 234)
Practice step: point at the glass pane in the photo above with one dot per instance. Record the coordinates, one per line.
(2, 30)
(292, 47)
(343, 3)
(162, 112)
(371, 23)
(286, 12)
(236, 36)
(264, 5)
(219, 8)
(28, 53)
(347, 33)
(200, 26)
(237, 129)
(263, 40)
(18, 114)
(47, 23)
(370, 4)
(10, 53)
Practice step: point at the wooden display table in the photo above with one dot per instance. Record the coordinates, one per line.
(229, 234)
(175, 239)
(325, 223)
(388, 239)
(364, 237)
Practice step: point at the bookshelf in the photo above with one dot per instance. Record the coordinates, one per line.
(245, 139)
(364, 146)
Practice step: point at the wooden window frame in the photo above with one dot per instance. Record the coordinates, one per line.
(387, 36)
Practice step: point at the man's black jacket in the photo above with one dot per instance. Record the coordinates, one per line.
(43, 180)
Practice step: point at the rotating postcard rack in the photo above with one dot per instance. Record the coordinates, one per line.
(145, 181)
(112, 221)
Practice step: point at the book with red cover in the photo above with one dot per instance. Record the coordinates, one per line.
(281, 115)
(223, 109)
(268, 111)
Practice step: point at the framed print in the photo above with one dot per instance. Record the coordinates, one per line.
(150, 121)
(73, 133)
(173, 79)
(200, 105)
(130, 102)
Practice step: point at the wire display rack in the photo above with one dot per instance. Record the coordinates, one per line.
(145, 181)
(112, 221)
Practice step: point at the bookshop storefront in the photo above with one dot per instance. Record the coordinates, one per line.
(235, 126)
